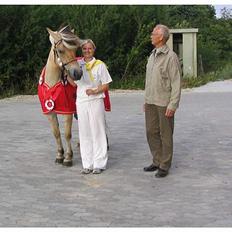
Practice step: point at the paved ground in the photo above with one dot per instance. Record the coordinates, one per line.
(35, 192)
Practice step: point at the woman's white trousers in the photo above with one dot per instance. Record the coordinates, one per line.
(92, 133)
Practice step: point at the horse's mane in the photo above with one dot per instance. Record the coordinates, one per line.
(70, 40)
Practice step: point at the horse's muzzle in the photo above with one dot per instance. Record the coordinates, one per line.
(75, 74)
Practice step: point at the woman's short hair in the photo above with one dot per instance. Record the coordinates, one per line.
(85, 41)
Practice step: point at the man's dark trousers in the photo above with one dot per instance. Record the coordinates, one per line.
(159, 131)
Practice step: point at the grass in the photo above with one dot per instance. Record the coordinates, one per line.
(220, 75)
(129, 83)
(187, 82)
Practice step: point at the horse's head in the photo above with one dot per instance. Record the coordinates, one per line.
(64, 44)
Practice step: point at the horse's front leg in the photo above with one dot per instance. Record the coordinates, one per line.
(68, 119)
(52, 118)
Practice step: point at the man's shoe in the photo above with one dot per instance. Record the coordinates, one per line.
(161, 173)
(150, 168)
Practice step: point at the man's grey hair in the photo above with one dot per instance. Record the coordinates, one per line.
(165, 31)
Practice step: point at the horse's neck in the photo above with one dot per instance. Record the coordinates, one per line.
(53, 73)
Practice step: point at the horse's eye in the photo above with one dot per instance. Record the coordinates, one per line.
(60, 51)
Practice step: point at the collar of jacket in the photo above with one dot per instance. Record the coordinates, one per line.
(164, 49)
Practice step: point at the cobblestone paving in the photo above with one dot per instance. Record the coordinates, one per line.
(35, 192)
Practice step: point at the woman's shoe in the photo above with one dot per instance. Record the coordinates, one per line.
(86, 171)
(97, 171)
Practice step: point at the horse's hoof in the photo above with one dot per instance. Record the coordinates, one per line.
(68, 163)
(59, 161)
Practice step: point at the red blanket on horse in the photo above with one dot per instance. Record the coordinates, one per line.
(61, 98)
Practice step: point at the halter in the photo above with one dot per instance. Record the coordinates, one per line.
(60, 62)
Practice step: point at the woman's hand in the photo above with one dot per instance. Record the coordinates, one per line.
(91, 91)
(99, 89)
(71, 81)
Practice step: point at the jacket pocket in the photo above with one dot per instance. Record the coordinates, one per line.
(165, 81)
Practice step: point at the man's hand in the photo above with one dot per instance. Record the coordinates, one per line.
(169, 113)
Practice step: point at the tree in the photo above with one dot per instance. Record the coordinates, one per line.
(121, 33)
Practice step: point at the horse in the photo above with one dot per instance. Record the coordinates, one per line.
(56, 94)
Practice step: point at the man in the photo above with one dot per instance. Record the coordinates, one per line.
(162, 96)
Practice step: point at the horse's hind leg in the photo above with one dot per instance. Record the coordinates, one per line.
(52, 117)
(68, 119)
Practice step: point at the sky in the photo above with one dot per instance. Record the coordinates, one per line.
(118, 2)
(218, 4)
(219, 7)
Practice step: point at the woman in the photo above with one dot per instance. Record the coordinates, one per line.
(91, 111)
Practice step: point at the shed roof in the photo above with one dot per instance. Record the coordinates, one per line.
(184, 30)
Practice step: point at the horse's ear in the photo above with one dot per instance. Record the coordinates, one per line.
(54, 35)
(66, 29)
